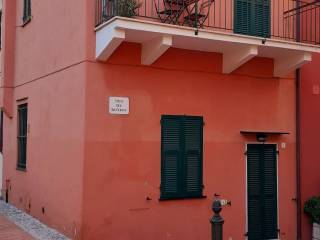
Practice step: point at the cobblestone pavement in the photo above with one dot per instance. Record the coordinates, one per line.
(15, 222)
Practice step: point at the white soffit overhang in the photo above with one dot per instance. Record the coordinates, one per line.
(237, 49)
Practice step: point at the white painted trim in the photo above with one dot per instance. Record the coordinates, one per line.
(107, 41)
(176, 30)
(112, 33)
(285, 65)
(246, 179)
(154, 49)
(233, 60)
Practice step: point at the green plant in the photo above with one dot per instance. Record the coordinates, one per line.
(127, 8)
(312, 209)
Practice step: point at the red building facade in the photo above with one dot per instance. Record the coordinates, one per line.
(208, 107)
(309, 120)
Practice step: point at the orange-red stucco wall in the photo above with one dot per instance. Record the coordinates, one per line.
(122, 153)
(53, 176)
(310, 118)
(44, 63)
(92, 171)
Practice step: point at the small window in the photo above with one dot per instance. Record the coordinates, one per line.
(26, 11)
(22, 135)
(181, 157)
(0, 28)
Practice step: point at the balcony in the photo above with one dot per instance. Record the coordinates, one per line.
(287, 31)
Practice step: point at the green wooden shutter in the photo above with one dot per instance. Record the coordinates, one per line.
(22, 135)
(252, 17)
(193, 131)
(254, 192)
(262, 191)
(242, 16)
(261, 18)
(171, 141)
(270, 219)
(181, 156)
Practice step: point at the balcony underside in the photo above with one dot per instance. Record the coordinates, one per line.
(237, 49)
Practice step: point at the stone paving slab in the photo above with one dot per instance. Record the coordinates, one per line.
(27, 224)
(10, 231)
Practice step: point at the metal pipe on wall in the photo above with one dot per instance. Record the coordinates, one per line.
(298, 130)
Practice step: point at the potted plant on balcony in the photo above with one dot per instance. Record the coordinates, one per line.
(312, 209)
(127, 8)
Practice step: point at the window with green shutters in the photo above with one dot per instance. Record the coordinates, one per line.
(181, 157)
(252, 17)
(26, 11)
(262, 191)
(22, 136)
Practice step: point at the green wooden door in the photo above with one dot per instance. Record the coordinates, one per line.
(262, 191)
(252, 17)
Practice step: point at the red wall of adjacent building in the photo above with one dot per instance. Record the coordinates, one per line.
(44, 62)
(310, 118)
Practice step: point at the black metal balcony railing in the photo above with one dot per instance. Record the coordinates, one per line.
(292, 20)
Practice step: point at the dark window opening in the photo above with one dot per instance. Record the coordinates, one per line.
(0, 29)
(22, 135)
(26, 11)
(181, 157)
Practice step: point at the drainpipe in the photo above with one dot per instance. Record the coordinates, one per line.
(298, 130)
(298, 151)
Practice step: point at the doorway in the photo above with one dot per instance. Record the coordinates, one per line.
(262, 191)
